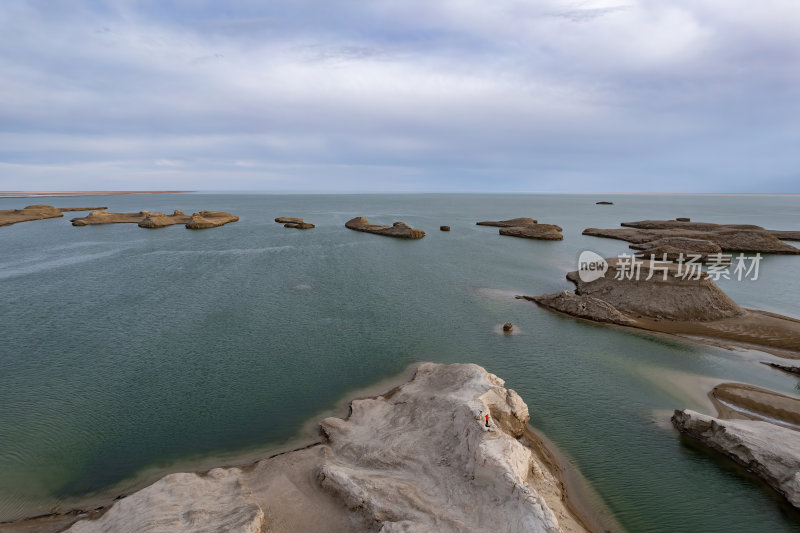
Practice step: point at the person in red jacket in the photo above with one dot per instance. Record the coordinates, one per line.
(487, 420)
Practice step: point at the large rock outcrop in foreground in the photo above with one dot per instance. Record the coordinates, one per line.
(416, 459)
(527, 228)
(398, 229)
(693, 308)
(146, 219)
(650, 234)
(770, 451)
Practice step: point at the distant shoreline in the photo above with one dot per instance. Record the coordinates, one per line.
(45, 194)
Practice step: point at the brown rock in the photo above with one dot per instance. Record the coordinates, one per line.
(398, 229)
(210, 219)
(683, 219)
(160, 220)
(604, 203)
(729, 237)
(513, 222)
(508, 327)
(444, 228)
(292, 222)
(546, 232)
(32, 212)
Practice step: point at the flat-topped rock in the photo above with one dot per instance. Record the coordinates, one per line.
(545, 232)
(510, 223)
(604, 203)
(146, 219)
(729, 237)
(692, 306)
(210, 219)
(417, 459)
(398, 229)
(31, 212)
(293, 222)
(770, 451)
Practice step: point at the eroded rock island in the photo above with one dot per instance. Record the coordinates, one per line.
(36, 212)
(398, 229)
(146, 219)
(527, 228)
(293, 222)
(669, 302)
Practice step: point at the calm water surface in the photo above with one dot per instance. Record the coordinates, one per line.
(129, 353)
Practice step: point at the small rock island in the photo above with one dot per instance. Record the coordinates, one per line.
(146, 219)
(527, 228)
(36, 212)
(292, 222)
(398, 229)
(682, 235)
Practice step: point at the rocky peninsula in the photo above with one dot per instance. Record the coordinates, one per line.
(652, 235)
(418, 458)
(527, 228)
(398, 229)
(36, 212)
(668, 302)
(292, 222)
(146, 219)
(756, 428)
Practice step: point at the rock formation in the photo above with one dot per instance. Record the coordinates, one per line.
(671, 302)
(729, 237)
(604, 203)
(32, 212)
(398, 229)
(508, 327)
(416, 459)
(785, 368)
(527, 228)
(210, 219)
(770, 451)
(444, 228)
(292, 222)
(146, 219)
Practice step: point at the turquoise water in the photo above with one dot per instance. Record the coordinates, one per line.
(128, 351)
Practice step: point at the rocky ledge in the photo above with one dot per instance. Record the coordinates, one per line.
(146, 219)
(292, 222)
(650, 235)
(36, 212)
(770, 451)
(398, 229)
(693, 307)
(527, 228)
(416, 459)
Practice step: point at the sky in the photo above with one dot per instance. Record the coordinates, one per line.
(401, 95)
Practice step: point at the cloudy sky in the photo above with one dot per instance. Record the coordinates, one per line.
(400, 95)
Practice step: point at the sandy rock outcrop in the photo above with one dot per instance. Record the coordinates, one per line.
(679, 248)
(398, 229)
(510, 223)
(106, 217)
(671, 302)
(210, 219)
(545, 232)
(160, 220)
(770, 451)
(527, 228)
(293, 222)
(32, 212)
(416, 459)
(729, 237)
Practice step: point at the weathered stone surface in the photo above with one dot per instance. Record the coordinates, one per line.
(510, 223)
(416, 459)
(444, 228)
(770, 451)
(105, 217)
(398, 229)
(160, 220)
(293, 222)
(729, 237)
(210, 219)
(545, 232)
(32, 212)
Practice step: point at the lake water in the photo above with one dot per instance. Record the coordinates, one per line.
(130, 353)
